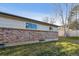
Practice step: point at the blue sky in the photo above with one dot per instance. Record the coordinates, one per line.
(37, 11)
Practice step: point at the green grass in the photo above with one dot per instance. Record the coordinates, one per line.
(63, 47)
(70, 38)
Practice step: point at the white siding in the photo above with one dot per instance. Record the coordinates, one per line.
(11, 23)
(41, 27)
(55, 29)
(4, 22)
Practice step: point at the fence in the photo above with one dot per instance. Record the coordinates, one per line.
(73, 33)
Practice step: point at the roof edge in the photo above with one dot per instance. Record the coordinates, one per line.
(5, 13)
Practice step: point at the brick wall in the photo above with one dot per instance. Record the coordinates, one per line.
(8, 35)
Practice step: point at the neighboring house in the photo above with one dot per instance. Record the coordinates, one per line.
(17, 30)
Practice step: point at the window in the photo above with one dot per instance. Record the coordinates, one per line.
(31, 26)
(50, 28)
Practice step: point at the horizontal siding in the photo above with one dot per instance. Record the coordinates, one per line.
(11, 23)
(41, 27)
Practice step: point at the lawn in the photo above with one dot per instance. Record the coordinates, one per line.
(62, 47)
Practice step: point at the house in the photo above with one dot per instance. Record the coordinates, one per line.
(17, 30)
